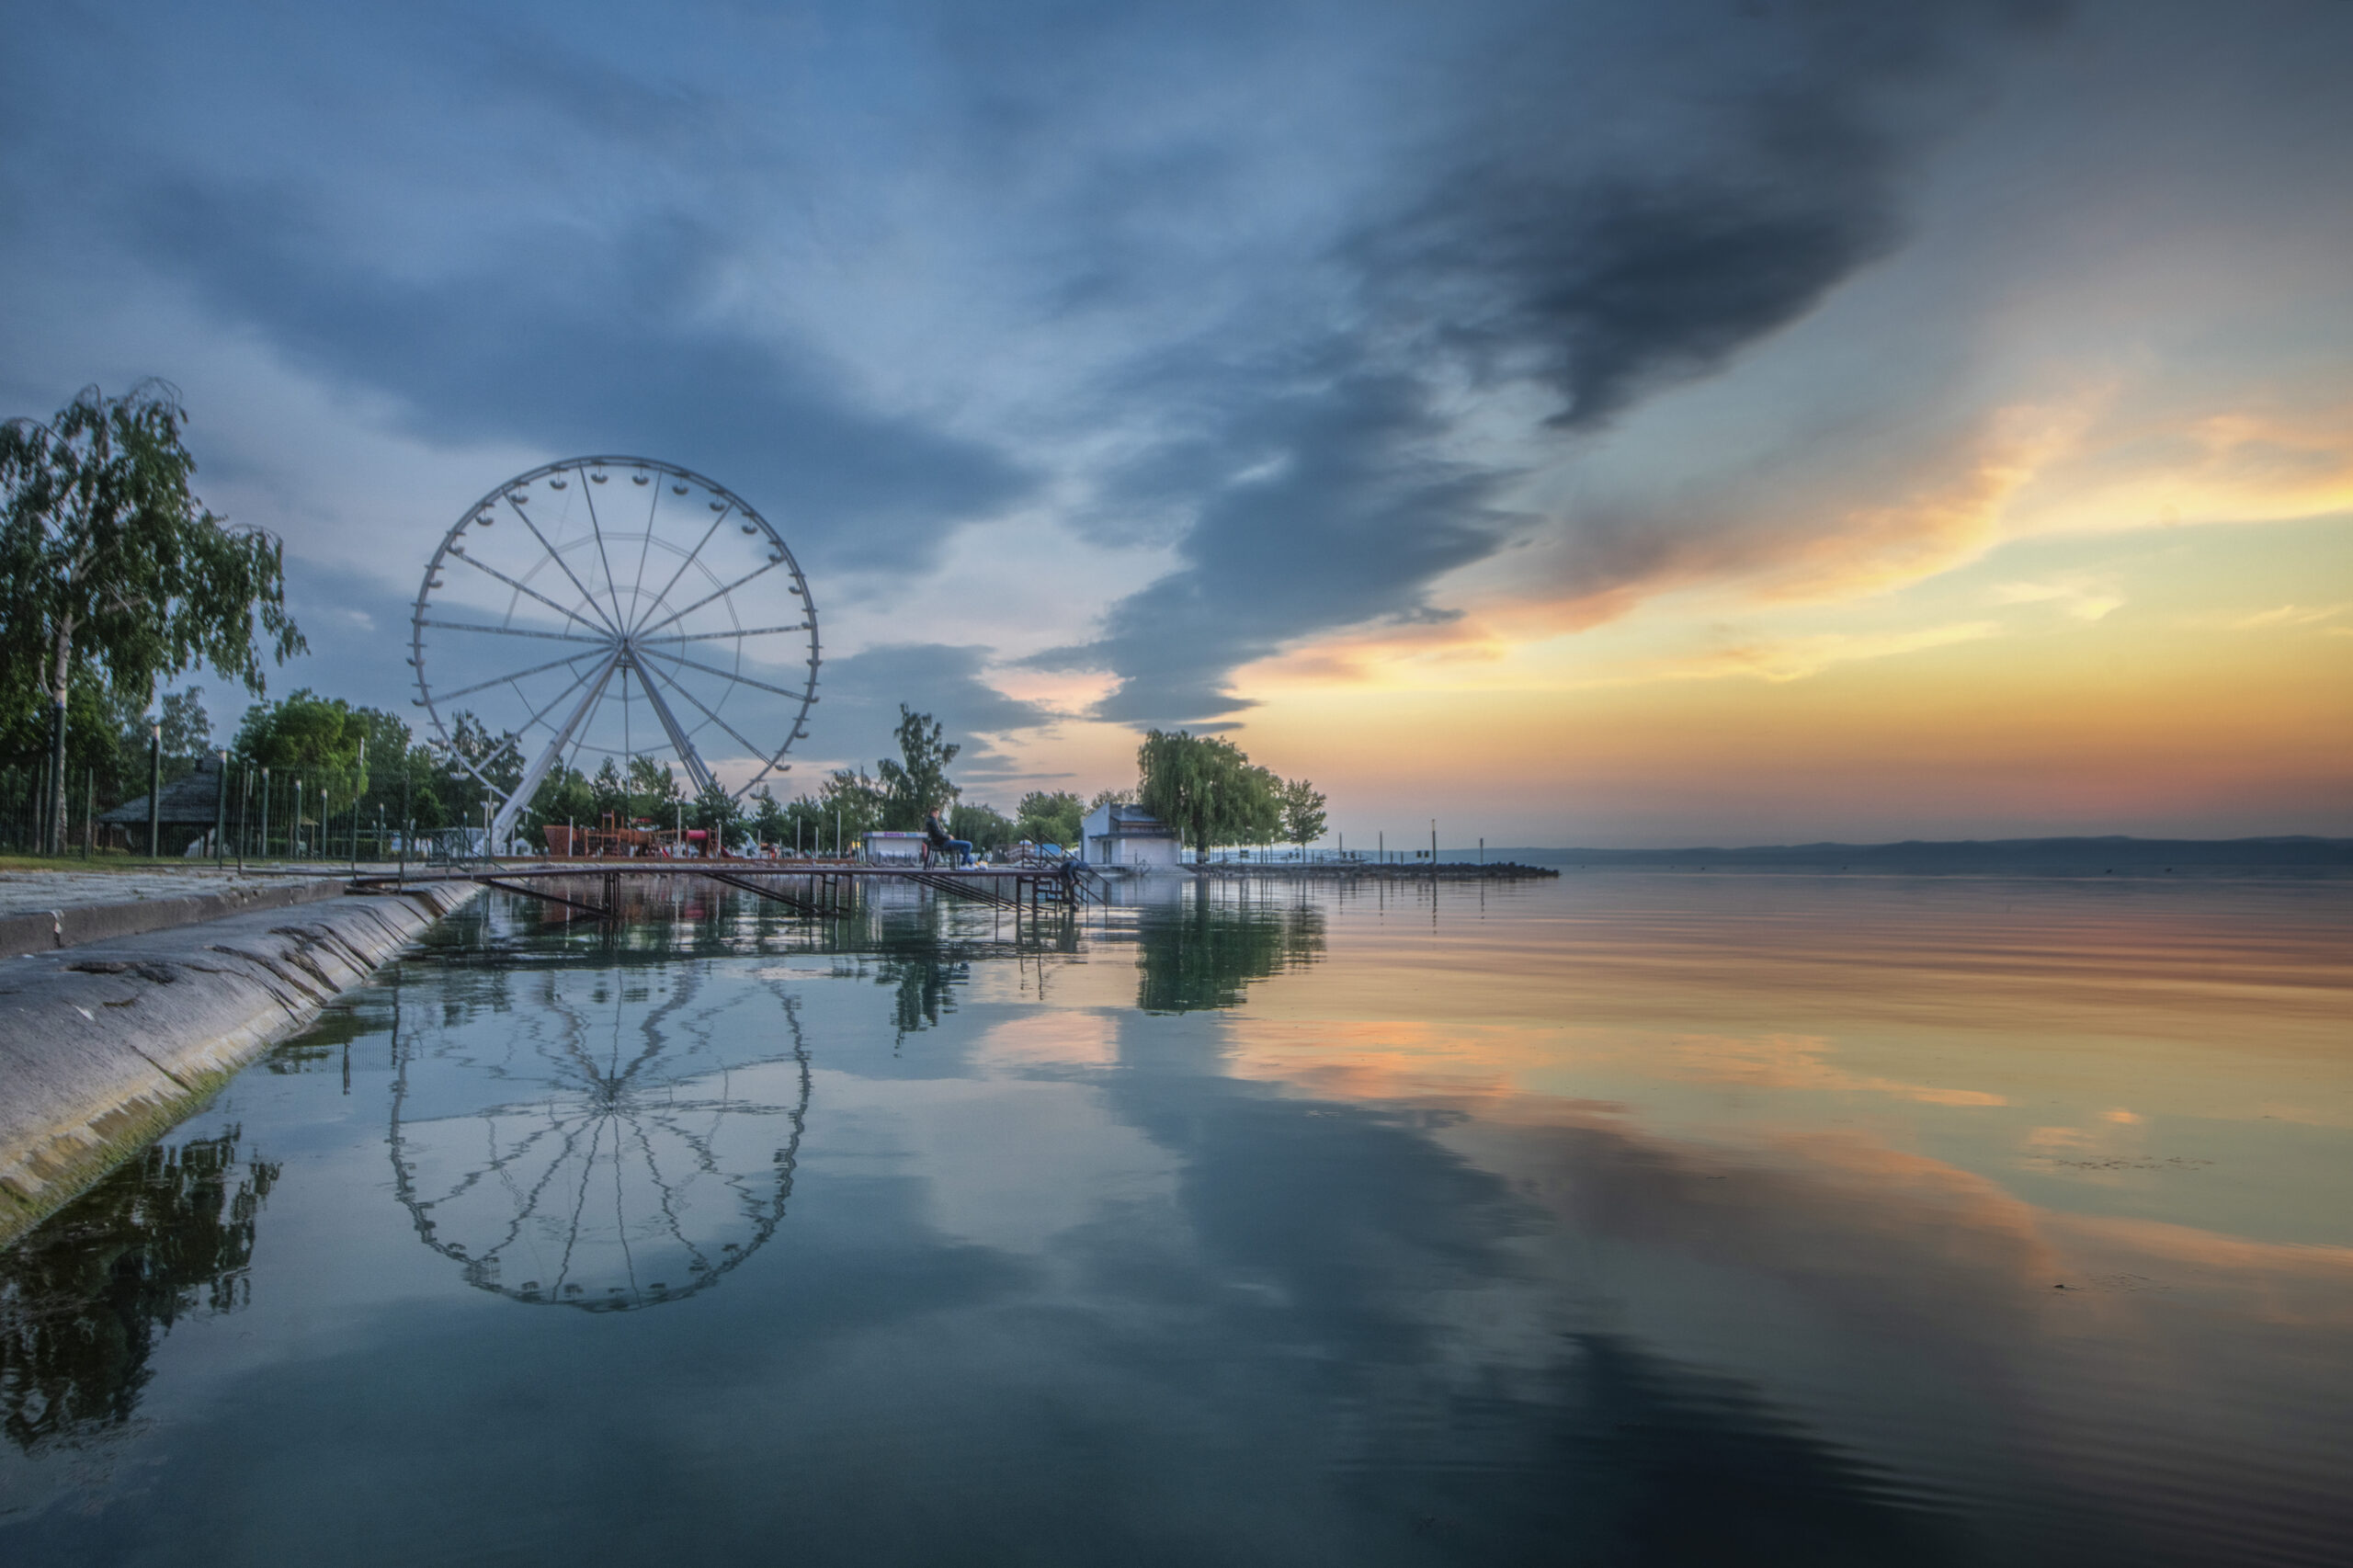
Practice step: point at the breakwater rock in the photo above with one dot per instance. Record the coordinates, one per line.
(105, 1045)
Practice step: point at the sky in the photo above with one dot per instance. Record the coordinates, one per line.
(1636, 423)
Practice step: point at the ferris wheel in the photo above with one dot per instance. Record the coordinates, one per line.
(613, 608)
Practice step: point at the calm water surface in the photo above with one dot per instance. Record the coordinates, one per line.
(1617, 1220)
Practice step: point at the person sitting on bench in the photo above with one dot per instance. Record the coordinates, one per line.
(936, 841)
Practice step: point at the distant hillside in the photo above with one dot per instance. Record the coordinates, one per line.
(2286, 857)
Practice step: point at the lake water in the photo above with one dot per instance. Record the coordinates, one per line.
(1615, 1219)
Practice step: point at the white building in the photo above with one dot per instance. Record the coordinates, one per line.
(1129, 835)
(895, 849)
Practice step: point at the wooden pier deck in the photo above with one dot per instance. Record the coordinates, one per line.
(821, 889)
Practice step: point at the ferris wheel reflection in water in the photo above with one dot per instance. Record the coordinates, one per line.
(607, 1146)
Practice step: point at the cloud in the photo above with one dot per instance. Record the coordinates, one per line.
(2077, 599)
(861, 696)
(1525, 276)
(612, 346)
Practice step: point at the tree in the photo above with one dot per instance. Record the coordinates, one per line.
(715, 810)
(109, 562)
(1049, 817)
(771, 823)
(187, 728)
(609, 793)
(564, 796)
(849, 804)
(916, 785)
(315, 737)
(982, 827)
(654, 791)
(1207, 789)
(1304, 818)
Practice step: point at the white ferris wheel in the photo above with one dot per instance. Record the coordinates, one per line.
(617, 608)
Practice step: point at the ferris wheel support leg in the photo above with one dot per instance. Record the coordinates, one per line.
(695, 770)
(504, 823)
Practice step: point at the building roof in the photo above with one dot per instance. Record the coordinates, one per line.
(1134, 822)
(186, 802)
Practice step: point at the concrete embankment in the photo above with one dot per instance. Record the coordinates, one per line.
(105, 1045)
(72, 924)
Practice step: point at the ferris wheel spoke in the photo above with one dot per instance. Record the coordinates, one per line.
(680, 687)
(715, 636)
(723, 674)
(529, 784)
(692, 556)
(717, 593)
(539, 715)
(527, 588)
(696, 770)
(645, 548)
(513, 631)
(518, 675)
(611, 592)
(565, 566)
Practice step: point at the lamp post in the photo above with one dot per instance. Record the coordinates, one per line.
(358, 785)
(154, 790)
(221, 810)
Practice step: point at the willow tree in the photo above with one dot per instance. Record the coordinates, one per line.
(1207, 789)
(109, 563)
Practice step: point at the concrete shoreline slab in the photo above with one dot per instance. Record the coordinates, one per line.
(107, 1044)
(72, 924)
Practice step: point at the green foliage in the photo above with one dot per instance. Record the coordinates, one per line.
(1049, 817)
(858, 799)
(653, 789)
(983, 827)
(564, 796)
(1207, 789)
(1302, 807)
(187, 728)
(716, 812)
(109, 565)
(770, 821)
(608, 792)
(317, 737)
(917, 784)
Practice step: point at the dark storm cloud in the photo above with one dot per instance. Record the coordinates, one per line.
(862, 694)
(1508, 252)
(580, 347)
(1338, 514)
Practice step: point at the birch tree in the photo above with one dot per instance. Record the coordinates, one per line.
(109, 562)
